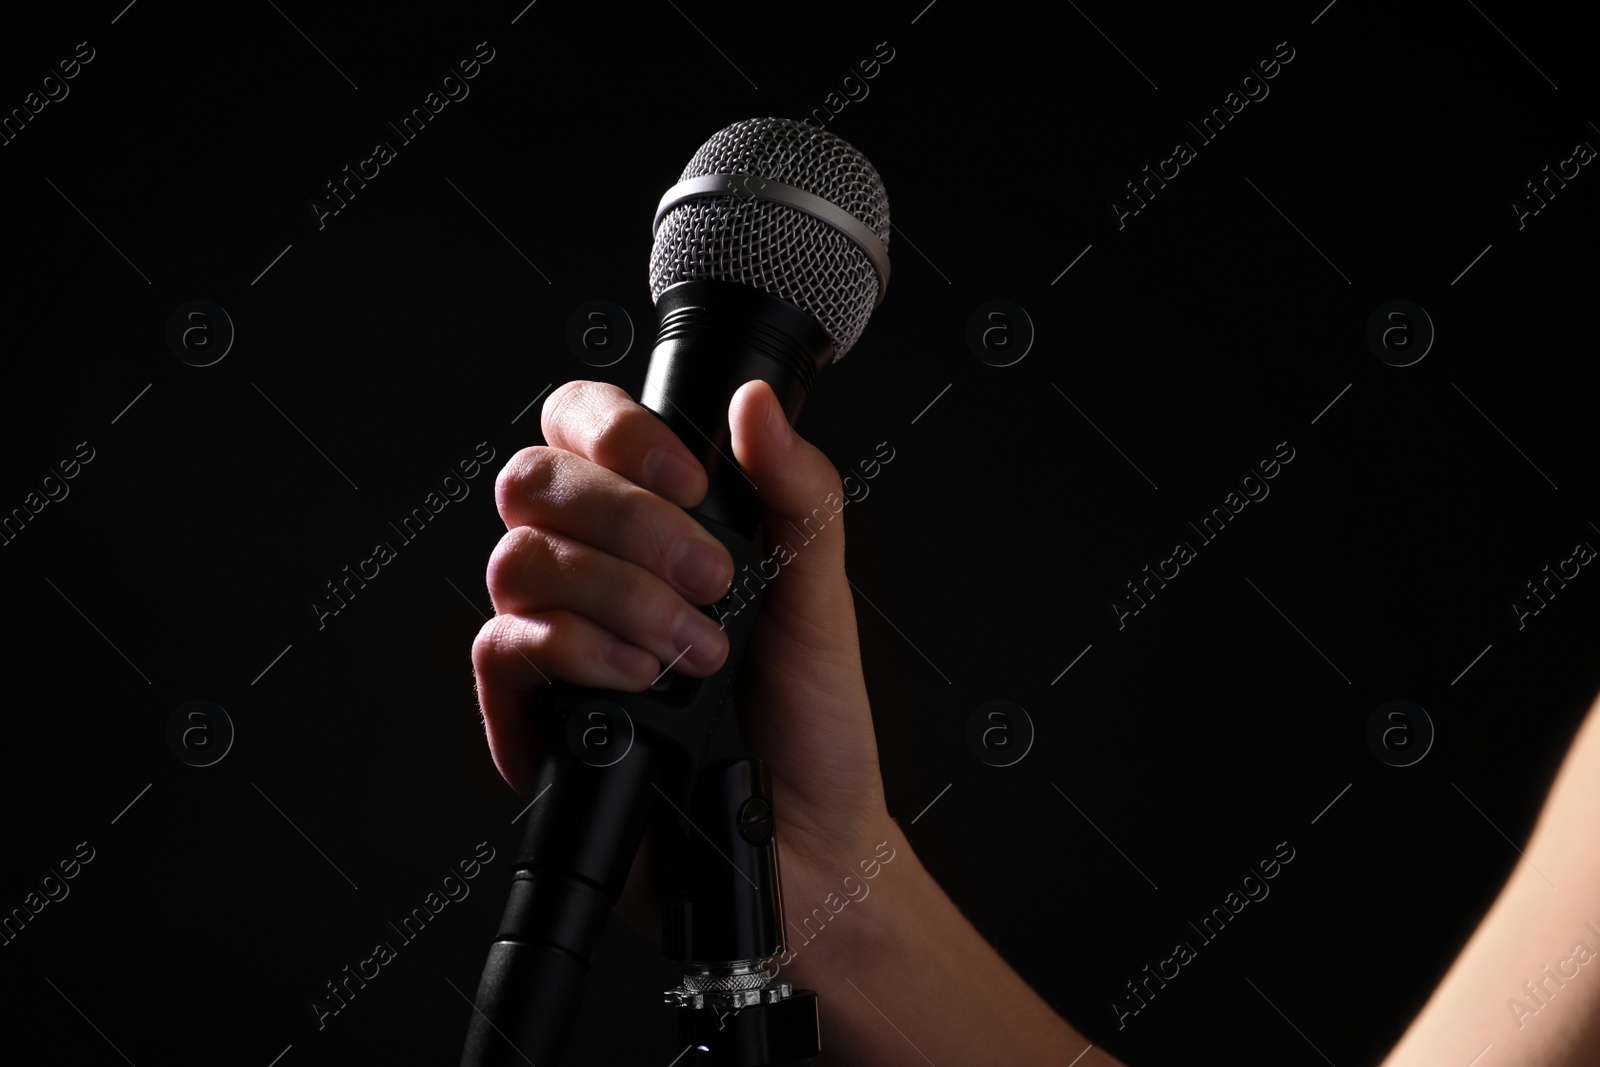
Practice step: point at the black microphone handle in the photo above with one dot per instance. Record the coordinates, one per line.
(533, 981)
(586, 825)
(713, 337)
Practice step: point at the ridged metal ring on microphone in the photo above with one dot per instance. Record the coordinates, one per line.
(707, 983)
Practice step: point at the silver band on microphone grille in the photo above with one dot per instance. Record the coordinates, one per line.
(751, 187)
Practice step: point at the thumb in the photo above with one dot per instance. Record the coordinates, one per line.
(806, 709)
(802, 500)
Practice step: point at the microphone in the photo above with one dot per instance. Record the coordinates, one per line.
(769, 255)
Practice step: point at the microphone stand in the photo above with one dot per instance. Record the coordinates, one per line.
(611, 762)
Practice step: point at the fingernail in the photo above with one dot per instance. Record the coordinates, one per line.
(778, 428)
(631, 660)
(670, 475)
(701, 638)
(698, 567)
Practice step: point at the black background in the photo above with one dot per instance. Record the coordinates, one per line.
(1221, 720)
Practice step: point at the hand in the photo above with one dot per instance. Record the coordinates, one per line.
(594, 580)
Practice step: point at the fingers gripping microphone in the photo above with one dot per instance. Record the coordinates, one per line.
(770, 254)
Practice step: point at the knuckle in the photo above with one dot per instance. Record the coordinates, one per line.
(561, 557)
(581, 408)
(527, 558)
(625, 423)
(635, 430)
(559, 400)
(600, 433)
(490, 646)
(508, 645)
(507, 560)
(528, 474)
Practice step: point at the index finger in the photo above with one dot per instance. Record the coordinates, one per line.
(604, 425)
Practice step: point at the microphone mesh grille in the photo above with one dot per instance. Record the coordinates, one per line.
(773, 247)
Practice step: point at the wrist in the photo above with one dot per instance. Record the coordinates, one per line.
(841, 914)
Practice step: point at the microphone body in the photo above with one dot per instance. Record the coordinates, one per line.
(715, 336)
(583, 832)
(770, 254)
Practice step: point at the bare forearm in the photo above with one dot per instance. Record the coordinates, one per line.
(1527, 984)
(907, 980)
